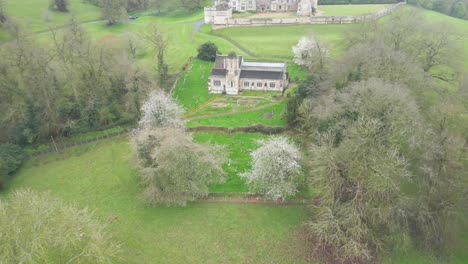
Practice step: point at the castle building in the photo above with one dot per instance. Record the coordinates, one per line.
(231, 75)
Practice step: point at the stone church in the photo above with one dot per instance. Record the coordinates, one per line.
(231, 75)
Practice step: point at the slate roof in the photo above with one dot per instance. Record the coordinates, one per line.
(261, 75)
(218, 72)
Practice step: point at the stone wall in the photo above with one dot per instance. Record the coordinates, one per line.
(246, 22)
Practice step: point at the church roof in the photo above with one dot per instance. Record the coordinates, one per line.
(266, 75)
(250, 70)
(264, 64)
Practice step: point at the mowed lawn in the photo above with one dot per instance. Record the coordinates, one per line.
(192, 87)
(349, 10)
(238, 147)
(276, 42)
(269, 116)
(100, 176)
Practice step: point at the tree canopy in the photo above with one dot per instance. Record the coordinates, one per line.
(38, 228)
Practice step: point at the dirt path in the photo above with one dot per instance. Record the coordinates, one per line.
(234, 112)
(244, 198)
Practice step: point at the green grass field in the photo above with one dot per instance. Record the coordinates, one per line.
(37, 16)
(192, 87)
(275, 43)
(238, 146)
(349, 10)
(100, 176)
(269, 116)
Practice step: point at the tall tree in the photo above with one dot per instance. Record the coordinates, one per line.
(358, 166)
(2, 11)
(36, 227)
(114, 10)
(160, 43)
(60, 5)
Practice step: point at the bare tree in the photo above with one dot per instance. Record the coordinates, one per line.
(132, 43)
(36, 227)
(160, 43)
(358, 165)
(2, 11)
(114, 10)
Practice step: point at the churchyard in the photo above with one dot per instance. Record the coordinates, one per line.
(102, 176)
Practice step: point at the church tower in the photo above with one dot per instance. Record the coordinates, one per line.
(233, 73)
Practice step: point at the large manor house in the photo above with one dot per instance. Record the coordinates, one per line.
(269, 5)
(231, 75)
(223, 9)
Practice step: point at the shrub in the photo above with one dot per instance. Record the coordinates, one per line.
(11, 157)
(207, 51)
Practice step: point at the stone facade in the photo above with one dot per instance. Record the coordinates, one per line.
(253, 22)
(231, 75)
(223, 9)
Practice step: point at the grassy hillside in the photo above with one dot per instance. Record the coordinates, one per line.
(35, 15)
(100, 176)
(275, 42)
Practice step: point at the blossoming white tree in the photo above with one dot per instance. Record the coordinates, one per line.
(275, 169)
(159, 110)
(309, 52)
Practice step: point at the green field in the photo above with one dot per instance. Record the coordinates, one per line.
(238, 146)
(36, 15)
(349, 10)
(269, 116)
(101, 176)
(275, 43)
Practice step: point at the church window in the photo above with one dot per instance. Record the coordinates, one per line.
(246, 84)
(272, 85)
(259, 84)
(217, 83)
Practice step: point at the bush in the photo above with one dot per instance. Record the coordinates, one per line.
(207, 51)
(11, 157)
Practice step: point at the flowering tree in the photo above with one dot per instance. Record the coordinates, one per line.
(309, 52)
(174, 170)
(159, 110)
(275, 169)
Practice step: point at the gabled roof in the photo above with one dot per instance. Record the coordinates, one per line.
(266, 75)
